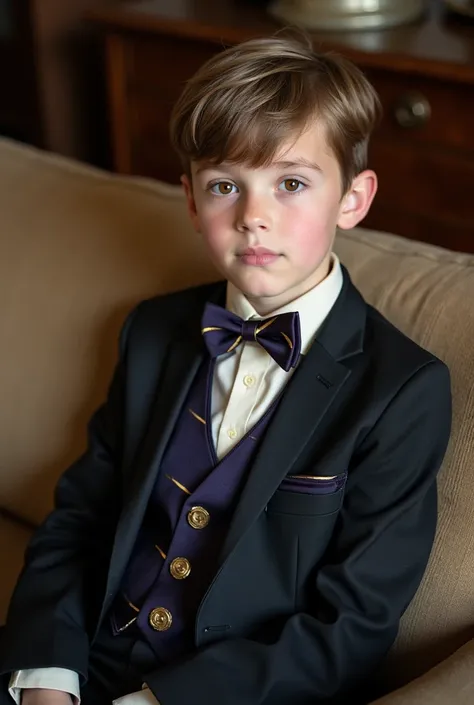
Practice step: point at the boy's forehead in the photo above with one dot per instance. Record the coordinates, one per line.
(274, 164)
(309, 150)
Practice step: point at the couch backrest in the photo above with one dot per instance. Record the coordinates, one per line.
(78, 248)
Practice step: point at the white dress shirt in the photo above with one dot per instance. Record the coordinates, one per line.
(245, 384)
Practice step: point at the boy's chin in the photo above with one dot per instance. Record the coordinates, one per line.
(260, 292)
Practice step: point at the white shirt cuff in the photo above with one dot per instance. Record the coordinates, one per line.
(51, 678)
(142, 697)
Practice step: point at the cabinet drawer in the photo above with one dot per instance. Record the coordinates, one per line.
(442, 113)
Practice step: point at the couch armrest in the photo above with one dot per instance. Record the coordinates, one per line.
(450, 682)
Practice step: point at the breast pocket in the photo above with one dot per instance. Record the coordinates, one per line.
(308, 495)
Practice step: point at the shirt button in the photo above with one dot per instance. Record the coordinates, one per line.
(180, 568)
(160, 619)
(198, 517)
(232, 433)
(249, 380)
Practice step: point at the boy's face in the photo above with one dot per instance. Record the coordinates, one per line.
(270, 231)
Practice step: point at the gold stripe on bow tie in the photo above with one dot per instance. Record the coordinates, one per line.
(210, 328)
(234, 345)
(265, 325)
(288, 340)
(178, 484)
(199, 418)
(162, 553)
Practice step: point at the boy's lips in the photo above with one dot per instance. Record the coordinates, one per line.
(258, 256)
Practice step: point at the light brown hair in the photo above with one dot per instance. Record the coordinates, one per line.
(245, 102)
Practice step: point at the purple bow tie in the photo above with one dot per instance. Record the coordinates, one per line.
(280, 336)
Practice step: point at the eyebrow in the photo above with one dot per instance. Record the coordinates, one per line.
(298, 162)
(281, 165)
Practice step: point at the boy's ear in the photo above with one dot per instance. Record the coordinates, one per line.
(357, 201)
(191, 203)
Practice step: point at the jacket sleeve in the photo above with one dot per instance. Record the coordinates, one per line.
(47, 618)
(375, 562)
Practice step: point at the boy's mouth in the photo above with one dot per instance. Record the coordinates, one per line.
(258, 256)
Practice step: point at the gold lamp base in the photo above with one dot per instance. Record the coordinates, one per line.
(337, 15)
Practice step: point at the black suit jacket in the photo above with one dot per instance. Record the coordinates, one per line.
(310, 588)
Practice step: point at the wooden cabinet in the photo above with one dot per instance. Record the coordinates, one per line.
(50, 77)
(423, 150)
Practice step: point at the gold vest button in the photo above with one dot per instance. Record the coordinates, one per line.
(160, 619)
(198, 517)
(180, 568)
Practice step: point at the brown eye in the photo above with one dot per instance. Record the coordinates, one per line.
(223, 188)
(292, 185)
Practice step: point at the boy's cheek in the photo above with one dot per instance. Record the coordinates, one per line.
(313, 243)
(215, 243)
(215, 229)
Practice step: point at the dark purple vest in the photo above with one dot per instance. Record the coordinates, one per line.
(176, 554)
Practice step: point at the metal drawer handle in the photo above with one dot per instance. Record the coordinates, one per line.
(412, 110)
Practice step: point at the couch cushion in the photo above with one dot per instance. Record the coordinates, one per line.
(428, 293)
(13, 541)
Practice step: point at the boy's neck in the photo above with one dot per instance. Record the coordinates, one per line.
(270, 305)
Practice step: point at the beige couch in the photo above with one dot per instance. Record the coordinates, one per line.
(78, 248)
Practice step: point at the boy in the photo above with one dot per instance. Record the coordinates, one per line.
(257, 504)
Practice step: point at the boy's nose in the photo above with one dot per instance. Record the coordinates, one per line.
(254, 216)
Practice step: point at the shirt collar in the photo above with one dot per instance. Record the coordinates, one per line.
(313, 307)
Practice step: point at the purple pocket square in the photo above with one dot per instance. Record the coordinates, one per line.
(308, 484)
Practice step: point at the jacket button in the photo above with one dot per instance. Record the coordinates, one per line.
(180, 568)
(198, 517)
(160, 619)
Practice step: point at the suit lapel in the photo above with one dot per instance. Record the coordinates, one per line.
(313, 388)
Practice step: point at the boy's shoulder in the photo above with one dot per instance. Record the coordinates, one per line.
(363, 329)
(390, 344)
(388, 351)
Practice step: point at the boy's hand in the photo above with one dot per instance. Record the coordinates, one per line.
(44, 696)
